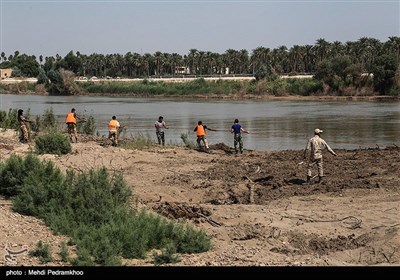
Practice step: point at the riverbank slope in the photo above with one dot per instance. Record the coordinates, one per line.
(253, 205)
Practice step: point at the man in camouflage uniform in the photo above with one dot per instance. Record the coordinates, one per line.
(316, 144)
(22, 121)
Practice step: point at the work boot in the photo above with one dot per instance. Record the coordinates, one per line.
(320, 179)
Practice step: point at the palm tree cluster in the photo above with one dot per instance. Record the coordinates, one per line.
(336, 64)
(297, 59)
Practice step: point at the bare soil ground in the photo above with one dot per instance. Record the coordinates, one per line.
(253, 205)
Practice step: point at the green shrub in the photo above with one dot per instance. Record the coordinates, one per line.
(83, 258)
(88, 127)
(49, 120)
(186, 140)
(53, 143)
(64, 254)
(167, 255)
(14, 172)
(9, 119)
(92, 208)
(42, 251)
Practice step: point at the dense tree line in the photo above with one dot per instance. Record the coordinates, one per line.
(337, 64)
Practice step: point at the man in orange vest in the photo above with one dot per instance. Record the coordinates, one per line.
(200, 130)
(113, 127)
(70, 120)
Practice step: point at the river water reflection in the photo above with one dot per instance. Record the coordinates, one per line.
(274, 125)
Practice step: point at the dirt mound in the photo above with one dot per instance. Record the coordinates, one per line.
(222, 147)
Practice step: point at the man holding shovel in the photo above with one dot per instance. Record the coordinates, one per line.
(316, 144)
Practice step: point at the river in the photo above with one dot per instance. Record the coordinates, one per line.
(273, 125)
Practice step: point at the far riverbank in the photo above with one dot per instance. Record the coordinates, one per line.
(281, 89)
(226, 97)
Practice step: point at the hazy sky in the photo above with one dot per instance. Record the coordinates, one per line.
(56, 27)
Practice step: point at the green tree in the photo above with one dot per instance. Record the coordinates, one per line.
(27, 64)
(384, 71)
(339, 66)
(55, 85)
(266, 72)
(71, 62)
(42, 77)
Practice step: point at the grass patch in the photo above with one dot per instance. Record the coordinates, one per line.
(138, 142)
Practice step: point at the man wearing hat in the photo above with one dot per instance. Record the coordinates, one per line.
(316, 144)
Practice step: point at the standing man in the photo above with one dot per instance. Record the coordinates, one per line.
(113, 127)
(200, 130)
(70, 120)
(237, 129)
(316, 144)
(160, 125)
(22, 121)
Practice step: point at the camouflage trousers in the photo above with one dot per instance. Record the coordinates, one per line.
(24, 133)
(160, 137)
(317, 162)
(238, 140)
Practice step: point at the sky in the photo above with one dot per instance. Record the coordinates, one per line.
(107, 27)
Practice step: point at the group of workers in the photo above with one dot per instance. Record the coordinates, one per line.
(315, 145)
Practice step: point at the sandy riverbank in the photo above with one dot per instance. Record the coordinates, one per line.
(253, 205)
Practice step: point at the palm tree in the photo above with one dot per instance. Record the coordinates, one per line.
(192, 61)
(41, 60)
(279, 59)
(176, 60)
(158, 57)
(393, 45)
(138, 62)
(85, 62)
(213, 63)
(260, 57)
(295, 57)
(322, 49)
(337, 49)
(147, 62)
(243, 60)
(309, 59)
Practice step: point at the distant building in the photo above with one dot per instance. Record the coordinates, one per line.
(182, 70)
(5, 73)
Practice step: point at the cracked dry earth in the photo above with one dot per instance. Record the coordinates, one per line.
(253, 205)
